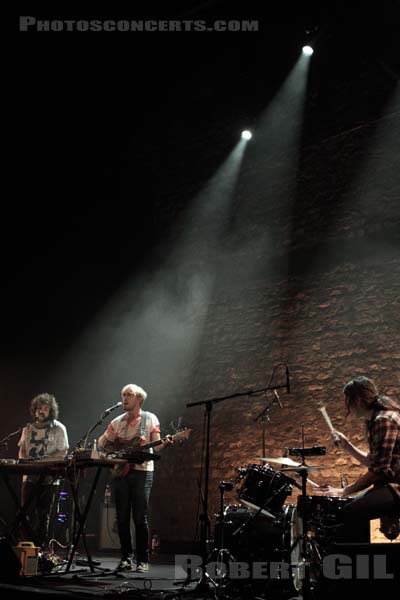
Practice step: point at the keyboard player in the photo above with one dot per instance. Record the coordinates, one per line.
(44, 438)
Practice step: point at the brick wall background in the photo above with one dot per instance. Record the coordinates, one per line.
(323, 298)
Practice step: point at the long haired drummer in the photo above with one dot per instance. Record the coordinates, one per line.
(377, 491)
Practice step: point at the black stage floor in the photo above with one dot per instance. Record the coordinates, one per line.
(166, 581)
(163, 580)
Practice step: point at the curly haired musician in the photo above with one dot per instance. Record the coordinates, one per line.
(132, 489)
(382, 419)
(44, 438)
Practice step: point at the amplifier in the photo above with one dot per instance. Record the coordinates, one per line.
(28, 555)
(109, 539)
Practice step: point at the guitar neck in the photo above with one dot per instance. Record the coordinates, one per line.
(151, 444)
(135, 445)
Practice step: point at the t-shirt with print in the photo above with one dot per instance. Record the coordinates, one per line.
(41, 442)
(123, 429)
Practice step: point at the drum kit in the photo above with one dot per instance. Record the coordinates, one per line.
(264, 528)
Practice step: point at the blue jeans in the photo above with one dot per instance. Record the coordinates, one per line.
(132, 494)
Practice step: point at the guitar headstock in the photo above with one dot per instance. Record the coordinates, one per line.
(179, 436)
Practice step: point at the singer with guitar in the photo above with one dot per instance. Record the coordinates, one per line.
(380, 484)
(133, 484)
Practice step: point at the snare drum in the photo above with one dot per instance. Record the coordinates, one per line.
(326, 509)
(265, 488)
(326, 520)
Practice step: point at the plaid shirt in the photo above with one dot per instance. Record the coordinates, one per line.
(384, 444)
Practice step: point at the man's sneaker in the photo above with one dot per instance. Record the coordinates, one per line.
(125, 564)
(142, 567)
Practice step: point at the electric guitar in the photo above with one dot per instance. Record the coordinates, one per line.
(132, 450)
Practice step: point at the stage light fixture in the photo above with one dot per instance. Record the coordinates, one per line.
(246, 134)
(307, 50)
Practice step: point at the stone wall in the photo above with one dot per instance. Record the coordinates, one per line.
(323, 299)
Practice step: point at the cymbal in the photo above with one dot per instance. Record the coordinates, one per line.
(280, 461)
(303, 468)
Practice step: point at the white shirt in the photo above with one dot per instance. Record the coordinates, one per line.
(124, 430)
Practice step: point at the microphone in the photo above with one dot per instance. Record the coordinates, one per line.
(287, 380)
(108, 410)
(278, 399)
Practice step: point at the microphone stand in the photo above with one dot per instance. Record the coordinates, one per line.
(83, 440)
(5, 440)
(85, 437)
(263, 416)
(205, 579)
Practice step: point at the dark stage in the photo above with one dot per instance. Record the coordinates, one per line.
(167, 580)
(201, 197)
(104, 581)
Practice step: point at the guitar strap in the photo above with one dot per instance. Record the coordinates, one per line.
(143, 422)
(142, 433)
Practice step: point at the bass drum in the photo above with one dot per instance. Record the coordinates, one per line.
(260, 539)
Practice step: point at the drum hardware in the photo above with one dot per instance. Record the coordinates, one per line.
(241, 472)
(302, 468)
(205, 580)
(254, 514)
(220, 554)
(307, 545)
(225, 486)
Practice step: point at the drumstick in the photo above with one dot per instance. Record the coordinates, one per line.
(313, 483)
(326, 417)
(316, 485)
(328, 421)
